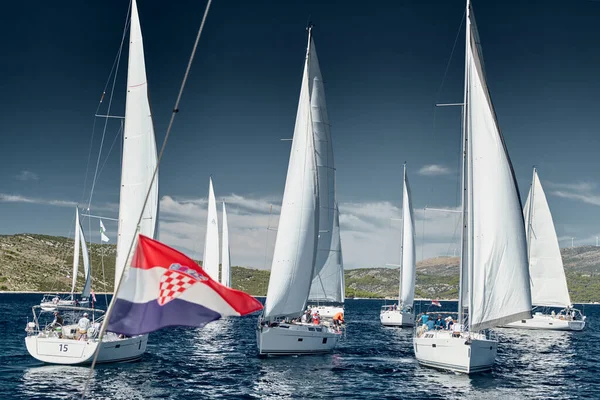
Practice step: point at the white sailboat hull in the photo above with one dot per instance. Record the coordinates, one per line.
(438, 349)
(295, 339)
(327, 311)
(54, 350)
(547, 322)
(396, 318)
(51, 306)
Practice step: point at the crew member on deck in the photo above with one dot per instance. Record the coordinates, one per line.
(58, 320)
(338, 319)
(82, 326)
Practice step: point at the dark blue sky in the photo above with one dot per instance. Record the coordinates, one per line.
(383, 64)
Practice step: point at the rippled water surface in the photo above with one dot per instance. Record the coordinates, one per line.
(372, 362)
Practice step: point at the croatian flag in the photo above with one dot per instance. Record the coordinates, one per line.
(164, 288)
(436, 303)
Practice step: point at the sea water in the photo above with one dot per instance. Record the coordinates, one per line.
(371, 362)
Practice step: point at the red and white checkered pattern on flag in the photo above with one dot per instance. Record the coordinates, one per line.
(172, 285)
(163, 287)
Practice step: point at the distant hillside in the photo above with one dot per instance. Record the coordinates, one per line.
(31, 262)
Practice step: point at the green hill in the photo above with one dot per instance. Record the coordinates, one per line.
(31, 262)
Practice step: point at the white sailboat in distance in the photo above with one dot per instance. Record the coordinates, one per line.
(548, 280)
(210, 258)
(51, 301)
(280, 330)
(402, 314)
(225, 255)
(61, 343)
(494, 278)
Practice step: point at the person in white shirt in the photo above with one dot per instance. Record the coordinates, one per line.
(456, 329)
(83, 325)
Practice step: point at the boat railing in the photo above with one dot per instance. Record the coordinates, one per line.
(33, 328)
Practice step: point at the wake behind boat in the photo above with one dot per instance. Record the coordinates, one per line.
(402, 314)
(138, 164)
(548, 280)
(296, 255)
(494, 246)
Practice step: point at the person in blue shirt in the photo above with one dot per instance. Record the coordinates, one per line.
(439, 322)
(430, 325)
(424, 319)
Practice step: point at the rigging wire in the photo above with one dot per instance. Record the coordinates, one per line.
(117, 136)
(115, 65)
(165, 140)
(434, 126)
(110, 99)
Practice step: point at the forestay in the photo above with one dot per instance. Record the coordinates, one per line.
(409, 272)
(210, 258)
(139, 154)
(548, 280)
(296, 242)
(225, 263)
(499, 279)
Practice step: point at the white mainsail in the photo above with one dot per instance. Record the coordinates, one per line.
(297, 234)
(324, 159)
(498, 279)
(139, 154)
(548, 280)
(210, 257)
(225, 263)
(76, 247)
(328, 285)
(409, 266)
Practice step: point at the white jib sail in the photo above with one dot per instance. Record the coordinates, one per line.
(409, 266)
(76, 247)
(225, 263)
(296, 242)
(548, 280)
(499, 277)
(210, 257)
(328, 285)
(87, 286)
(139, 154)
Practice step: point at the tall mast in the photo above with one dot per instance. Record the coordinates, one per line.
(464, 253)
(402, 237)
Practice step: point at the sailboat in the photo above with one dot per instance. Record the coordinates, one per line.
(225, 262)
(61, 345)
(402, 314)
(548, 280)
(50, 301)
(210, 262)
(295, 258)
(494, 278)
